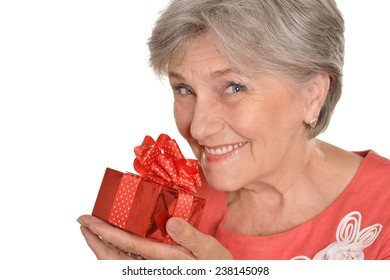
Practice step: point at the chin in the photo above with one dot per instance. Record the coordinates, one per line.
(220, 184)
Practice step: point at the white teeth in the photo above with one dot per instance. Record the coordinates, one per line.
(223, 150)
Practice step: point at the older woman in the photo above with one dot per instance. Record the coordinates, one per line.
(254, 83)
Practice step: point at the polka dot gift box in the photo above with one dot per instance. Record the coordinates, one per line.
(165, 187)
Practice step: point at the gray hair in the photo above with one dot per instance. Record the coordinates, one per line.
(296, 38)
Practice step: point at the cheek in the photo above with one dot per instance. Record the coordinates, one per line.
(266, 121)
(183, 117)
(251, 118)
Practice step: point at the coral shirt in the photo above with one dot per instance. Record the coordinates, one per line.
(355, 226)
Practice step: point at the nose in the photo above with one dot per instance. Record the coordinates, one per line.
(207, 120)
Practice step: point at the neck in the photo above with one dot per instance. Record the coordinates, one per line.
(301, 188)
(282, 193)
(292, 171)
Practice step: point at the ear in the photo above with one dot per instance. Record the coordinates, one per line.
(315, 94)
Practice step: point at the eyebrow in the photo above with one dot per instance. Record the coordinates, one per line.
(213, 75)
(172, 74)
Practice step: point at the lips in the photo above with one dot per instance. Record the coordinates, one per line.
(224, 150)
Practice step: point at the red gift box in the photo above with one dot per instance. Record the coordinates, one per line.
(165, 188)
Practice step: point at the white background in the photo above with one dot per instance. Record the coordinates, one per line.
(77, 95)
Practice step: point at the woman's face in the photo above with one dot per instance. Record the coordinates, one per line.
(241, 128)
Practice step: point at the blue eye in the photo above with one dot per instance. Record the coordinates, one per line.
(181, 90)
(184, 91)
(235, 88)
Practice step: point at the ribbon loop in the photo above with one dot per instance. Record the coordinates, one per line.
(162, 162)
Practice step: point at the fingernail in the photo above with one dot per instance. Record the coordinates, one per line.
(174, 226)
(81, 222)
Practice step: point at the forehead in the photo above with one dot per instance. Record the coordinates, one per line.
(203, 52)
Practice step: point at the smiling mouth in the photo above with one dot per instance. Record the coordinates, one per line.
(223, 150)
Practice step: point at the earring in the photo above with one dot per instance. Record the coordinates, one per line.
(313, 123)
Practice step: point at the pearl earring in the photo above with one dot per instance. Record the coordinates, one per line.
(313, 123)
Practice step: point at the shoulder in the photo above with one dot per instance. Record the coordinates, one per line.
(357, 224)
(371, 155)
(371, 184)
(375, 169)
(372, 188)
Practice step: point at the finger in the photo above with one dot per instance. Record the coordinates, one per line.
(102, 249)
(202, 246)
(129, 242)
(85, 220)
(132, 243)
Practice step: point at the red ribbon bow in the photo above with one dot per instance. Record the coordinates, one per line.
(162, 162)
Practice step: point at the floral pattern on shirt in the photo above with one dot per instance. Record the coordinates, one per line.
(351, 241)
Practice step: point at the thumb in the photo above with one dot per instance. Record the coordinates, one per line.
(201, 245)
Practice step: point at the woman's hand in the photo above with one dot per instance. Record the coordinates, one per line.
(110, 243)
